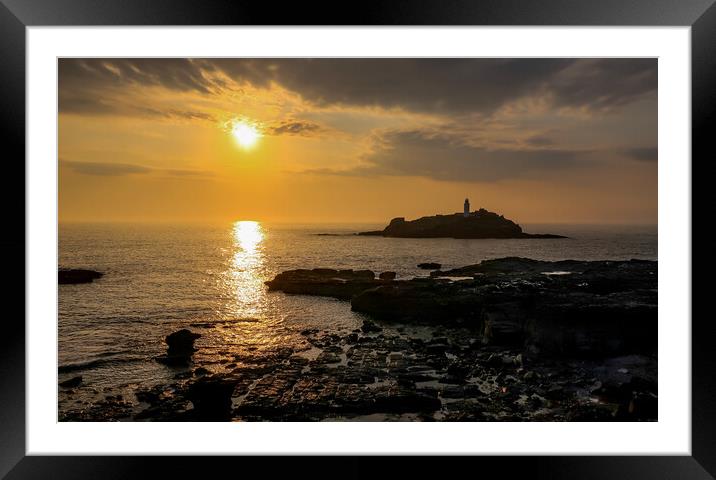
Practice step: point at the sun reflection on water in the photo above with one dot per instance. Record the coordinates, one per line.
(248, 235)
(247, 267)
(248, 321)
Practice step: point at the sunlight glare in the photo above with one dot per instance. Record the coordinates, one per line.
(248, 235)
(245, 134)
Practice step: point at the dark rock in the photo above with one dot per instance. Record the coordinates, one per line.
(494, 360)
(181, 342)
(458, 370)
(452, 379)
(452, 391)
(173, 360)
(73, 382)
(148, 396)
(328, 357)
(387, 276)
(644, 406)
(412, 377)
(341, 284)
(356, 378)
(564, 308)
(555, 392)
(429, 266)
(180, 348)
(399, 399)
(211, 397)
(370, 327)
(419, 301)
(592, 413)
(77, 275)
(504, 324)
(436, 348)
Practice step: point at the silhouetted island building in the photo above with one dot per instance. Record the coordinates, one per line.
(478, 224)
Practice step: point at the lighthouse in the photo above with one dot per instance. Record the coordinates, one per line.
(466, 208)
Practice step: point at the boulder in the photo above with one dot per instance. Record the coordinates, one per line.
(181, 342)
(211, 397)
(387, 276)
(180, 348)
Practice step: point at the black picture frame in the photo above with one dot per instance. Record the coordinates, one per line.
(16, 15)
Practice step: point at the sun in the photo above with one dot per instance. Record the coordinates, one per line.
(245, 134)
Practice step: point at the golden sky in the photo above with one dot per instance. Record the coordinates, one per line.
(357, 140)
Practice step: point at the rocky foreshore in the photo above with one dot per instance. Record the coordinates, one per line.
(381, 375)
(575, 307)
(505, 340)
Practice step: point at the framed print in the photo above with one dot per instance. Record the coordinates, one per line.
(415, 229)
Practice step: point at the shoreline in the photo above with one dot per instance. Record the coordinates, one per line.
(404, 368)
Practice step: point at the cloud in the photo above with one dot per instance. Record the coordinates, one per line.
(539, 140)
(85, 104)
(182, 114)
(603, 84)
(453, 85)
(438, 85)
(186, 173)
(644, 154)
(105, 169)
(295, 127)
(443, 157)
(173, 73)
(110, 169)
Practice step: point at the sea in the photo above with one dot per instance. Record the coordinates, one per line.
(159, 278)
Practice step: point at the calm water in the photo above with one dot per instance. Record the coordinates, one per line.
(162, 278)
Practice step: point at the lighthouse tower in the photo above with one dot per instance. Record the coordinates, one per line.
(466, 208)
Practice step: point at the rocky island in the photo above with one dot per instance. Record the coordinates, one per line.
(479, 224)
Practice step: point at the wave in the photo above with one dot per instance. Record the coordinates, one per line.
(74, 367)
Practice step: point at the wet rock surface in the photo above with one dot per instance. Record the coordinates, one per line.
(77, 275)
(341, 284)
(451, 376)
(565, 307)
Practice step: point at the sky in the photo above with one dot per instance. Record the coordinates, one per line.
(553, 140)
